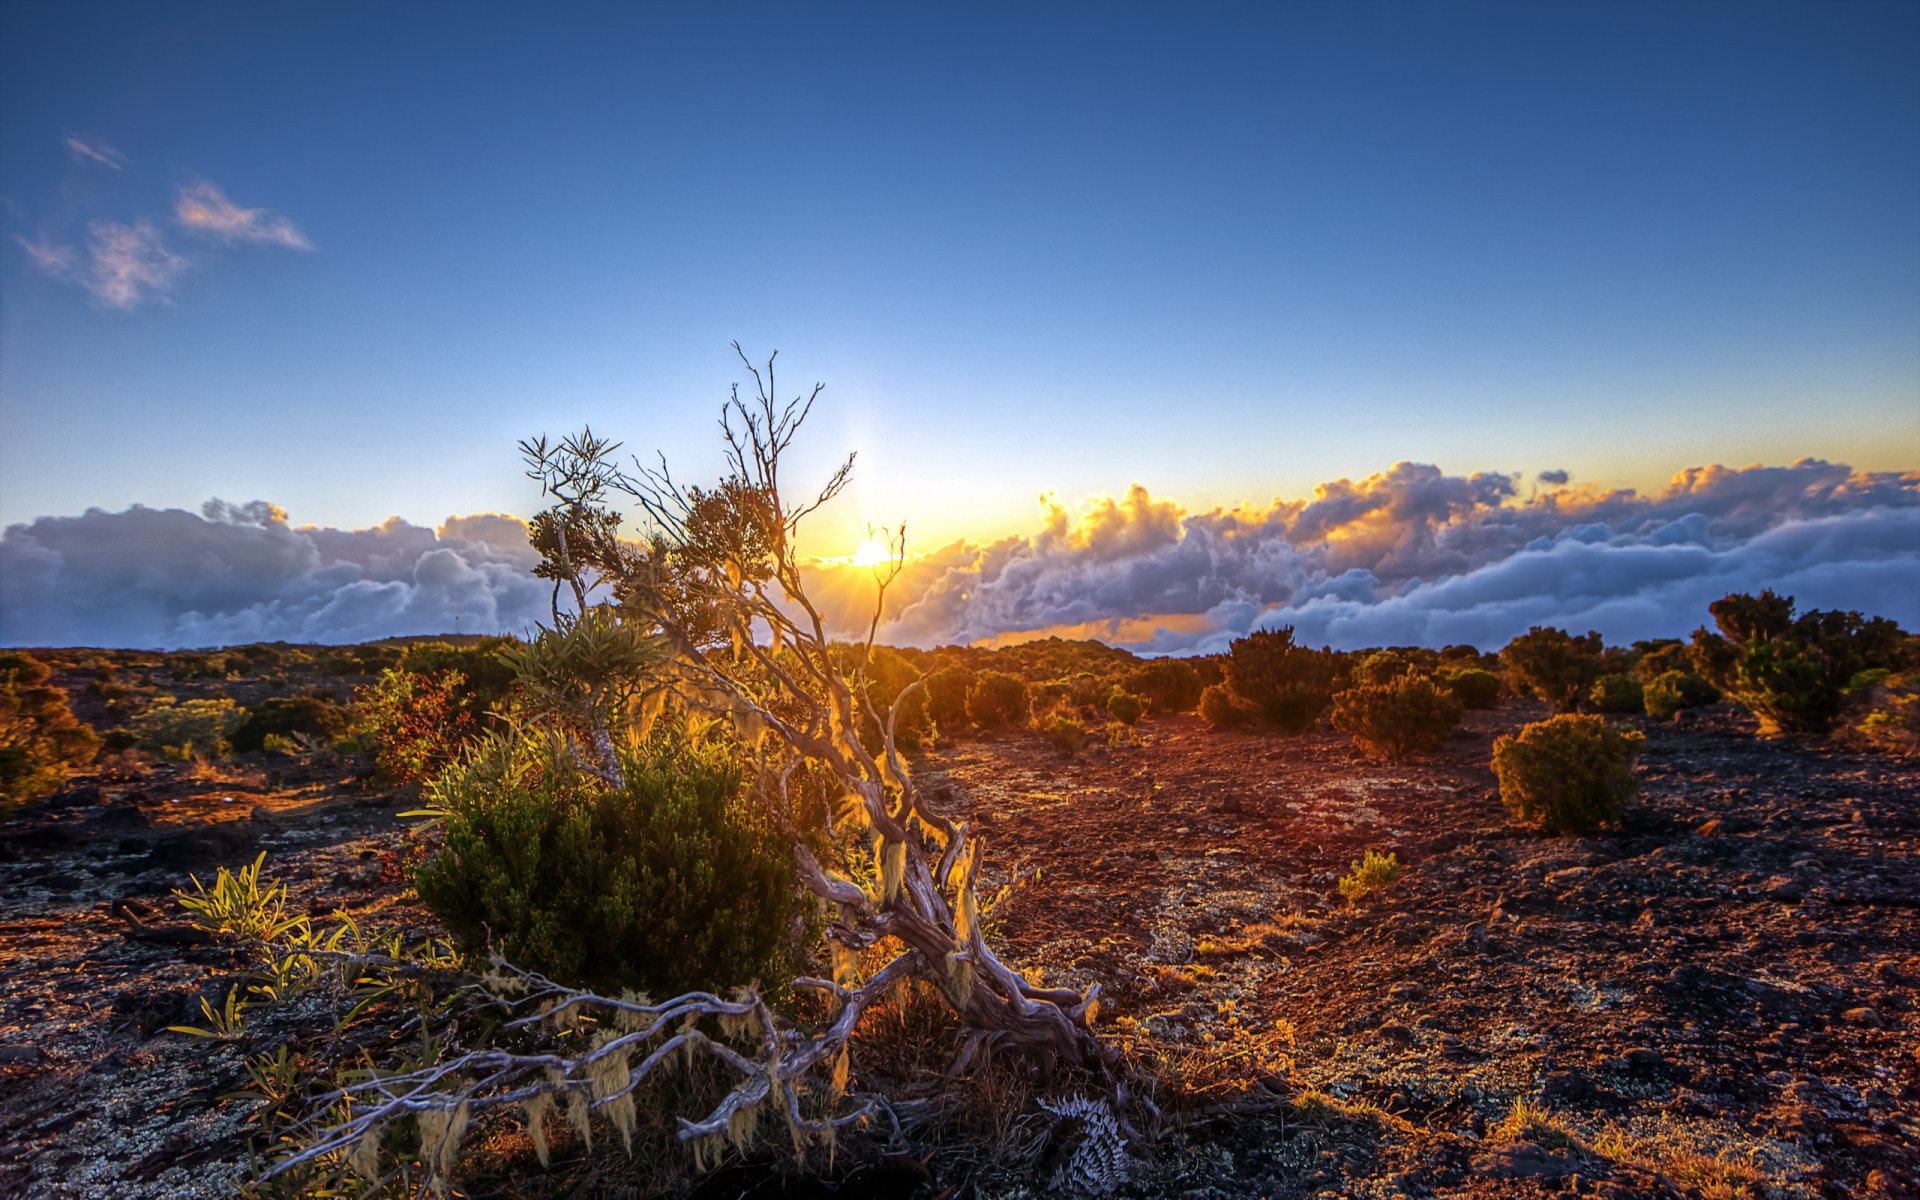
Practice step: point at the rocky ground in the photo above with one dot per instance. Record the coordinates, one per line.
(1720, 1000)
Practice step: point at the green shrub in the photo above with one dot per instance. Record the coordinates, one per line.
(1221, 709)
(1170, 685)
(1671, 691)
(670, 884)
(1568, 775)
(1385, 666)
(1066, 734)
(1890, 720)
(1791, 672)
(1373, 873)
(1410, 715)
(487, 675)
(1472, 687)
(417, 723)
(1550, 664)
(188, 728)
(284, 716)
(1125, 707)
(998, 700)
(1617, 694)
(947, 690)
(1290, 686)
(1656, 658)
(39, 737)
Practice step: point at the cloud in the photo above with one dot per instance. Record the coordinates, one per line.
(98, 155)
(1555, 478)
(204, 209)
(131, 265)
(56, 261)
(167, 578)
(1415, 555)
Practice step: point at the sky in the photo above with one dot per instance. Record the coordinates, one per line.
(339, 258)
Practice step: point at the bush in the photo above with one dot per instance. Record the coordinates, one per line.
(39, 737)
(1066, 734)
(1171, 685)
(947, 691)
(998, 700)
(1125, 707)
(1375, 872)
(1552, 665)
(488, 677)
(283, 717)
(1671, 691)
(1568, 775)
(1791, 672)
(1290, 686)
(1221, 709)
(1385, 666)
(1891, 724)
(416, 723)
(1472, 687)
(1410, 715)
(667, 885)
(1617, 694)
(1658, 657)
(186, 729)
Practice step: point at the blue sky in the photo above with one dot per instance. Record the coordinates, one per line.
(1225, 251)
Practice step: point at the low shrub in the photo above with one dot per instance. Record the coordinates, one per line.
(1791, 672)
(1889, 720)
(283, 717)
(1221, 709)
(39, 736)
(998, 700)
(1064, 733)
(1473, 687)
(1567, 775)
(1170, 685)
(1125, 707)
(1617, 694)
(417, 723)
(1554, 666)
(670, 884)
(189, 728)
(947, 690)
(1290, 686)
(1656, 658)
(1671, 691)
(1372, 873)
(1410, 715)
(1385, 666)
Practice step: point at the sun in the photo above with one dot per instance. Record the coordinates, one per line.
(872, 553)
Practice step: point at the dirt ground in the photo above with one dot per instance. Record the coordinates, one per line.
(1719, 1000)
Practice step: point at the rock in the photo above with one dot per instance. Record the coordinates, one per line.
(1645, 1058)
(1567, 1087)
(119, 816)
(22, 1056)
(1862, 1016)
(1525, 1160)
(1407, 990)
(1787, 891)
(1398, 1034)
(261, 815)
(222, 844)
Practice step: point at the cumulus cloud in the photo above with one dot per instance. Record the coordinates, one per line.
(96, 154)
(204, 209)
(1415, 555)
(232, 573)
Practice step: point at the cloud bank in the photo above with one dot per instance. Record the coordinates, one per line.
(1411, 555)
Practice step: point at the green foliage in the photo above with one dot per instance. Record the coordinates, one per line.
(239, 905)
(1568, 775)
(1221, 709)
(281, 717)
(1655, 658)
(1890, 722)
(486, 665)
(186, 728)
(1171, 685)
(1410, 715)
(1791, 672)
(947, 690)
(416, 723)
(1385, 666)
(1372, 873)
(1617, 694)
(1066, 734)
(1551, 665)
(1670, 691)
(1290, 686)
(1472, 687)
(998, 700)
(1125, 707)
(586, 670)
(668, 884)
(39, 737)
(889, 674)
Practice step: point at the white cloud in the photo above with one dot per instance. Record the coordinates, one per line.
(53, 260)
(98, 154)
(131, 265)
(205, 209)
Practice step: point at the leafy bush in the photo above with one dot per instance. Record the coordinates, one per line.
(1567, 775)
(282, 717)
(1670, 691)
(947, 690)
(1385, 666)
(185, 729)
(1656, 658)
(1171, 685)
(1791, 672)
(1552, 665)
(1221, 709)
(1887, 711)
(1372, 873)
(668, 885)
(1125, 707)
(39, 737)
(1289, 685)
(1617, 694)
(1066, 734)
(998, 700)
(1410, 715)
(1472, 687)
(417, 723)
(487, 673)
